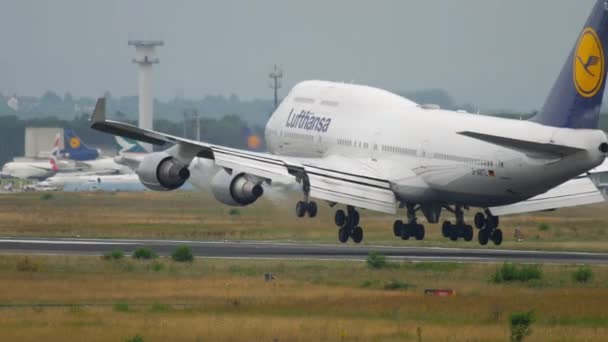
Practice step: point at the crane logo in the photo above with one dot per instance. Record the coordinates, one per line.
(74, 143)
(589, 65)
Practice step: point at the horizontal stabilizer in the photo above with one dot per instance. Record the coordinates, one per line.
(575, 192)
(531, 148)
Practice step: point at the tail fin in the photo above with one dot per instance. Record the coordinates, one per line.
(253, 140)
(129, 145)
(576, 97)
(75, 149)
(55, 153)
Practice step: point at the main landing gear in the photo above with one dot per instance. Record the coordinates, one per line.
(458, 230)
(304, 208)
(487, 225)
(488, 228)
(348, 223)
(410, 229)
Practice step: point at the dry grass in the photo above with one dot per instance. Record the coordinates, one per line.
(227, 300)
(199, 216)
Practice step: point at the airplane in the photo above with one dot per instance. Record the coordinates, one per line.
(93, 182)
(367, 148)
(36, 169)
(89, 159)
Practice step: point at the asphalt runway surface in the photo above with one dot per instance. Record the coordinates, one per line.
(251, 249)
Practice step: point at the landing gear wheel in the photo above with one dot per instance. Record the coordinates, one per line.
(311, 209)
(492, 222)
(343, 235)
(445, 229)
(357, 235)
(454, 233)
(301, 209)
(467, 233)
(353, 218)
(340, 218)
(480, 221)
(397, 227)
(483, 237)
(405, 232)
(419, 232)
(497, 237)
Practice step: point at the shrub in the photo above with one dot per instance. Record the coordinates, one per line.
(182, 254)
(396, 285)
(144, 253)
(158, 307)
(158, 266)
(509, 273)
(234, 212)
(376, 260)
(136, 338)
(583, 274)
(543, 227)
(114, 254)
(26, 265)
(529, 272)
(521, 325)
(121, 307)
(46, 196)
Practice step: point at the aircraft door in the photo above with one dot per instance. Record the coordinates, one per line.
(374, 146)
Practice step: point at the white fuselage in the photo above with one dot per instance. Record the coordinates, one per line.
(420, 151)
(30, 169)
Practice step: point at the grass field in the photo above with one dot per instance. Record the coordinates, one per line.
(87, 298)
(198, 216)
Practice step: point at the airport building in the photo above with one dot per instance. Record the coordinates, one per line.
(39, 141)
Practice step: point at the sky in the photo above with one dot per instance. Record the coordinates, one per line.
(494, 54)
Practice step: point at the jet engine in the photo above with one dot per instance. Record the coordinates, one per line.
(161, 172)
(235, 189)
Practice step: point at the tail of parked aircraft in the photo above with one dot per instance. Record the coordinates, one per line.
(55, 153)
(253, 140)
(75, 149)
(129, 145)
(576, 97)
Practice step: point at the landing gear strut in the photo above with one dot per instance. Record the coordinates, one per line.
(488, 228)
(348, 223)
(458, 230)
(411, 229)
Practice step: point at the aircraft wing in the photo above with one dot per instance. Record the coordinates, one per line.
(575, 192)
(344, 181)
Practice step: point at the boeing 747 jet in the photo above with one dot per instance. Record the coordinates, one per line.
(357, 147)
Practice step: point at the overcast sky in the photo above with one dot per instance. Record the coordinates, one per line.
(497, 54)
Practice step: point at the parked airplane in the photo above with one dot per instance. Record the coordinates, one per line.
(92, 182)
(368, 148)
(88, 159)
(37, 169)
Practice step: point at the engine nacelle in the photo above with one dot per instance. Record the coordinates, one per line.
(235, 190)
(161, 172)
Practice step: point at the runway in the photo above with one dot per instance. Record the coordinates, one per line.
(249, 249)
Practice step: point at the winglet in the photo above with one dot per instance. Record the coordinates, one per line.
(99, 122)
(99, 114)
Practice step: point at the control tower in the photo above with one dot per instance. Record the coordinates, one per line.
(145, 57)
